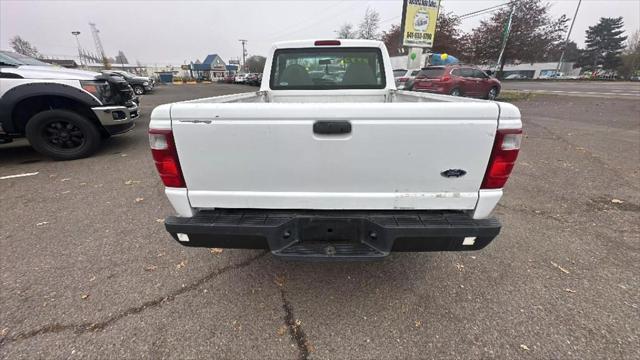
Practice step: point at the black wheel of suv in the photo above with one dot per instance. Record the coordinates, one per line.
(138, 89)
(63, 134)
(455, 92)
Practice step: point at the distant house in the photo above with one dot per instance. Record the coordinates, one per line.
(211, 68)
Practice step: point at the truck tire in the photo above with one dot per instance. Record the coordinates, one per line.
(138, 89)
(63, 134)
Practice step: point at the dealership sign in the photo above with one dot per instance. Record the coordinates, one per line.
(419, 22)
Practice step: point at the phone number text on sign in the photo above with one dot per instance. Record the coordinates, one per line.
(418, 36)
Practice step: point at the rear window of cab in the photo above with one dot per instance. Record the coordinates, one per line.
(431, 73)
(327, 68)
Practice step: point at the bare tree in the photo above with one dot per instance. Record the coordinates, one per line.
(22, 46)
(370, 25)
(631, 57)
(255, 63)
(346, 31)
(121, 58)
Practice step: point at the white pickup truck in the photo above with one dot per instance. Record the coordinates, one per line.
(329, 161)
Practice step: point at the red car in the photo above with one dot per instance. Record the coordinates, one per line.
(457, 80)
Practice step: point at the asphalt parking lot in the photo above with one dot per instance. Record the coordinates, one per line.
(598, 89)
(87, 270)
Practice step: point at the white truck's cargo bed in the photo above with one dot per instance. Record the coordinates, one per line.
(266, 155)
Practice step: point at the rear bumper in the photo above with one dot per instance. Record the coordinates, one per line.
(333, 235)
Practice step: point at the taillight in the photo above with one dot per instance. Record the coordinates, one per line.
(163, 149)
(327, 43)
(403, 79)
(503, 157)
(445, 78)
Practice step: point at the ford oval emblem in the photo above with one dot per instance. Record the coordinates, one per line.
(453, 173)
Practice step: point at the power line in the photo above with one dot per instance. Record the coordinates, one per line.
(483, 11)
(464, 16)
(326, 12)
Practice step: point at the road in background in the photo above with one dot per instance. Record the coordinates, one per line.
(622, 89)
(87, 269)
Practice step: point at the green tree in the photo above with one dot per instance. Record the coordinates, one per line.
(534, 34)
(255, 63)
(604, 44)
(22, 46)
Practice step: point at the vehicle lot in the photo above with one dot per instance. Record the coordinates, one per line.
(88, 271)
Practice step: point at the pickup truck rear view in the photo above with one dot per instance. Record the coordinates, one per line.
(329, 161)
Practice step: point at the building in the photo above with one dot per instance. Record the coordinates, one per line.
(212, 68)
(539, 70)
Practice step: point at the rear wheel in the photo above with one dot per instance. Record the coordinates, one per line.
(138, 89)
(63, 134)
(455, 92)
(493, 93)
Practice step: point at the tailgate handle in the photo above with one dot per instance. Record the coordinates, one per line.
(332, 127)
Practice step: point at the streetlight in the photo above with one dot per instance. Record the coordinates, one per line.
(76, 33)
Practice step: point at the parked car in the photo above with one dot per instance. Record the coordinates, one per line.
(140, 84)
(240, 78)
(404, 77)
(550, 74)
(334, 169)
(229, 79)
(457, 80)
(254, 79)
(64, 113)
(515, 77)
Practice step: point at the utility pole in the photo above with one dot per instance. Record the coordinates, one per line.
(76, 33)
(244, 55)
(505, 35)
(566, 42)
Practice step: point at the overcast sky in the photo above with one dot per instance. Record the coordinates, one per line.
(172, 32)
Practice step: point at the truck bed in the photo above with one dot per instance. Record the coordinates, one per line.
(260, 150)
(360, 96)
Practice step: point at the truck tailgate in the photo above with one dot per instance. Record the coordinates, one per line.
(275, 155)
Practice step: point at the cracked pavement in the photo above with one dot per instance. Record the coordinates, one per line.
(88, 271)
